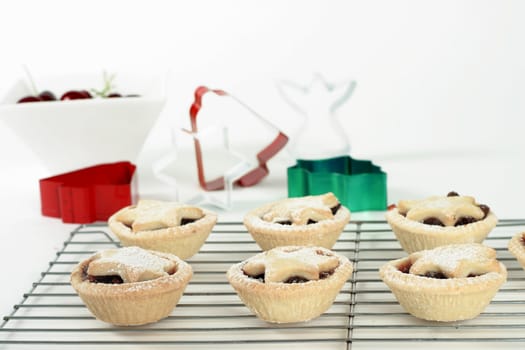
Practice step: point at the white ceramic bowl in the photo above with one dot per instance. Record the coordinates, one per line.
(68, 135)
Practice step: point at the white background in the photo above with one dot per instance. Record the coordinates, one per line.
(439, 101)
(431, 75)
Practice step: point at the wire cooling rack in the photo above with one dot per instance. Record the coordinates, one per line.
(365, 314)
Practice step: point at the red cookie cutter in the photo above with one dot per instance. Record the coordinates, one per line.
(89, 194)
(252, 177)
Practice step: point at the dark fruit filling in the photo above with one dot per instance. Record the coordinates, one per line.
(112, 279)
(441, 276)
(452, 194)
(523, 239)
(433, 221)
(485, 210)
(464, 220)
(105, 279)
(260, 277)
(185, 221)
(288, 222)
(310, 221)
(405, 268)
(435, 274)
(325, 274)
(336, 208)
(294, 279)
(284, 222)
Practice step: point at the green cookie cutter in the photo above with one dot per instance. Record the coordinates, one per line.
(358, 184)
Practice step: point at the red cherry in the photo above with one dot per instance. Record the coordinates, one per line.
(47, 96)
(29, 99)
(75, 95)
(85, 93)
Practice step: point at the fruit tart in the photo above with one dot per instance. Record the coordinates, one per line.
(436, 221)
(517, 248)
(311, 220)
(447, 283)
(290, 283)
(131, 286)
(168, 227)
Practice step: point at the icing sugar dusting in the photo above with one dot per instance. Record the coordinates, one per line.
(281, 263)
(446, 209)
(132, 264)
(299, 210)
(153, 214)
(455, 261)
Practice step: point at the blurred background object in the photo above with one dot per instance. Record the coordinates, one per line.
(66, 135)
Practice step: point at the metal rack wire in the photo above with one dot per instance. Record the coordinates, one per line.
(365, 314)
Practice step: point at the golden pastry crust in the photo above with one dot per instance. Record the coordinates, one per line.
(262, 222)
(517, 248)
(133, 303)
(281, 302)
(449, 299)
(183, 241)
(414, 235)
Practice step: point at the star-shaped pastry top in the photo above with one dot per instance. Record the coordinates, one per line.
(281, 263)
(455, 261)
(298, 211)
(153, 215)
(447, 209)
(132, 264)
